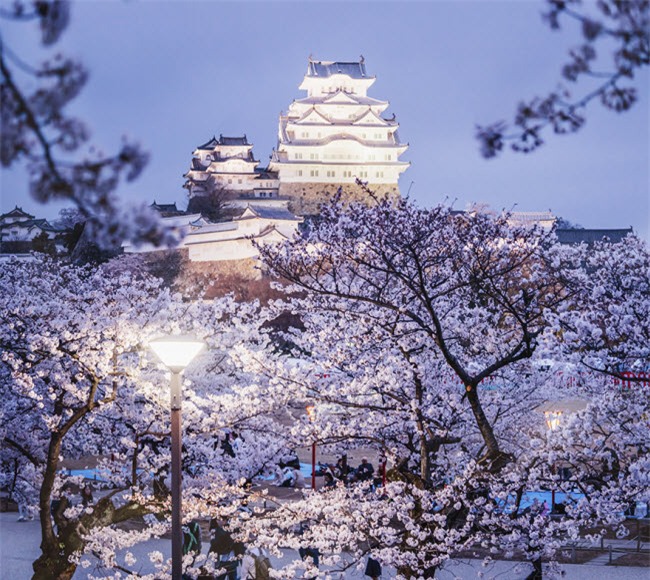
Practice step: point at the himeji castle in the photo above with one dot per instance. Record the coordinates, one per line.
(228, 163)
(334, 136)
(327, 141)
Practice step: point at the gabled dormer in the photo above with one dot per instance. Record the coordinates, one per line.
(313, 117)
(340, 98)
(371, 118)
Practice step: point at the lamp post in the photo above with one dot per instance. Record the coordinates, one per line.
(311, 411)
(553, 422)
(176, 352)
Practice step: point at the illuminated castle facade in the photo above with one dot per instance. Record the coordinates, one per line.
(327, 141)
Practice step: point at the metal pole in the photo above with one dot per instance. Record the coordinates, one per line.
(177, 534)
(313, 465)
(553, 471)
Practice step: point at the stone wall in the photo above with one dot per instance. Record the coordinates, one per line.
(305, 198)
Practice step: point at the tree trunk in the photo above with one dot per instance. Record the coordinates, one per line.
(537, 573)
(54, 561)
(53, 567)
(493, 452)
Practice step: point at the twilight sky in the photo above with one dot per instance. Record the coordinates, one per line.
(172, 74)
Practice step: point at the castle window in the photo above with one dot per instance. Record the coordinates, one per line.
(299, 172)
(239, 181)
(379, 174)
(298, 155)
(314, 172)
(230, 181)
(313, 156)
(389, 157)
(331, 174)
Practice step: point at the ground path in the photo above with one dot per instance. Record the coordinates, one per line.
(19, 547)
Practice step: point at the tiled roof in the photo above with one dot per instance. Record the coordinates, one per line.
(164, 206)
(578, 236)
(264, 173)
(211, 144)
(324, 68)
(41, 223)
(274, 213)
(233, 140)
(17, 212)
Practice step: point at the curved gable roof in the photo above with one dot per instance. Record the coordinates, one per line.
(324, 68)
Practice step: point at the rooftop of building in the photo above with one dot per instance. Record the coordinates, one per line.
(167, 209)
(225, 141)
(270, 213)
(17, 212)
(589, 236)
(327, 68)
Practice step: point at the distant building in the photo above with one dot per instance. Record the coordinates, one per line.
(19, 229)
(589, 236)
(542, 219)
(234, 240)
(167, 209)
(334, 136)
(228, 240)
(228, 164)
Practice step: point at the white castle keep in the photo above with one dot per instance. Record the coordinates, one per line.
(327, 141)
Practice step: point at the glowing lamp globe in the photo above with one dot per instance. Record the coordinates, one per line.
(176, 352)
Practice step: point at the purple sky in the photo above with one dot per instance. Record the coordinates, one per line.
(172, 74)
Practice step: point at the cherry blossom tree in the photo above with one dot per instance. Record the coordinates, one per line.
(616, 27)
(428, 324)
(37, 132)
(78, 382)
(611, 333)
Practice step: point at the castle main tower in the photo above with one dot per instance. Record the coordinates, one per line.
(334, 136)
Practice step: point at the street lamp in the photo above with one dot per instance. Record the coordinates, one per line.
(553, 422)
(311, 413)
(176, 352)
(553, 419)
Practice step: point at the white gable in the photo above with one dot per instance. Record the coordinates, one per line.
(341, 97)
(370, 118)
(313, 116)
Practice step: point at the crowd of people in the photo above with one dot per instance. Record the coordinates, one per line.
(343, 472)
